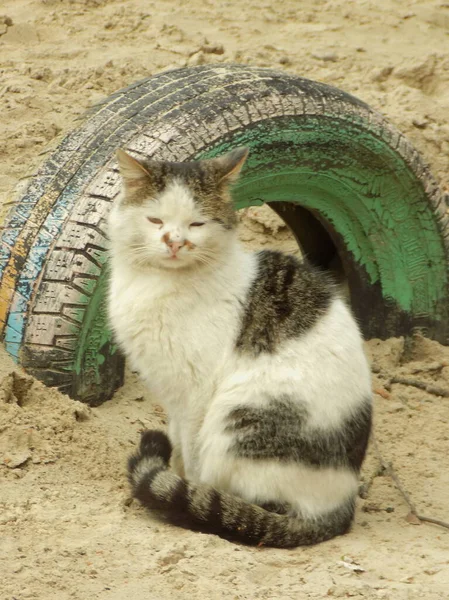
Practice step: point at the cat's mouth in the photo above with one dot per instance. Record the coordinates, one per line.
(174, 255)
(176, 260)
(181, 251)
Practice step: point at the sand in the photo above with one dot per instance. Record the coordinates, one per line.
(67, 527)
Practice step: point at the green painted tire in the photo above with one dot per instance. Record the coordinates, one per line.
(344, 180)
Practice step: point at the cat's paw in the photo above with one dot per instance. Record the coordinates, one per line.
(154, 443)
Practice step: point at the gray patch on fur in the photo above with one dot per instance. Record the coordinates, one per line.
(146, 464)
(279, 430)
(164, 485)
(285, 300)
(200, 500)
(280, 508)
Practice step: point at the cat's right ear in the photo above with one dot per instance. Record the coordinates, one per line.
(228, 166)
(133, 172)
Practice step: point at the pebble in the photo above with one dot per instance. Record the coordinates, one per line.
(197, 58)
(325, 56)
(380, 75)
(395, 407)
(420, 123)
(212, 49)
(5, 22)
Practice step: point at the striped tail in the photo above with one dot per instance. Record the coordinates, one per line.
(202, 508)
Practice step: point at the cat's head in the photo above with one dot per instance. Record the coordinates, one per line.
(175, 215)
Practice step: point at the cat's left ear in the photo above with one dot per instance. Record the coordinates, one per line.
(132, 171)
(229, 165)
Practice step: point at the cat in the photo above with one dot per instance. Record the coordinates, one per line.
(256, 359)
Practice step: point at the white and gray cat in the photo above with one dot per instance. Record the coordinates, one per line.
(257, 361)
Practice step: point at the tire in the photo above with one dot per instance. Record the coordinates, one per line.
(345, 181)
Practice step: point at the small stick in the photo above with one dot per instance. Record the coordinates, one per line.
(434, 521)
(430, 389)
(388, 468)
(365, 487)
(429, 368)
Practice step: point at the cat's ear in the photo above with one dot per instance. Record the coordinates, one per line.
(133, 172)
(229, 165)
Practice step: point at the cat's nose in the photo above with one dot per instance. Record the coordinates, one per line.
(174, 246)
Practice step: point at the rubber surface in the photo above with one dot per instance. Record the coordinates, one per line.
(342, 177)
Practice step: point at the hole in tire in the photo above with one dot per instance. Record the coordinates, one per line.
(305, 231)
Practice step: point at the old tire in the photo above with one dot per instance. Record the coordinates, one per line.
(341, 176)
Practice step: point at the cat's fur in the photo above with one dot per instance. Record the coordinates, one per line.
(256, 360)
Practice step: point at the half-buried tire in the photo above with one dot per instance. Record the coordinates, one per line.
(345, 181)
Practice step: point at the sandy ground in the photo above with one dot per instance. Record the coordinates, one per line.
(67, 528)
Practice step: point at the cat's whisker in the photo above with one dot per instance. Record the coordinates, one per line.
(205, 260)
(139, 249)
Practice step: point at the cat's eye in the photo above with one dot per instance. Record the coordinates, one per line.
(155, 221)
(196, 224)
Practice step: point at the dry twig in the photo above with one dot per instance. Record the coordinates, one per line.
(434, 521)
(434, 368)
(387, 467)
(417, 383)
(422, 385)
